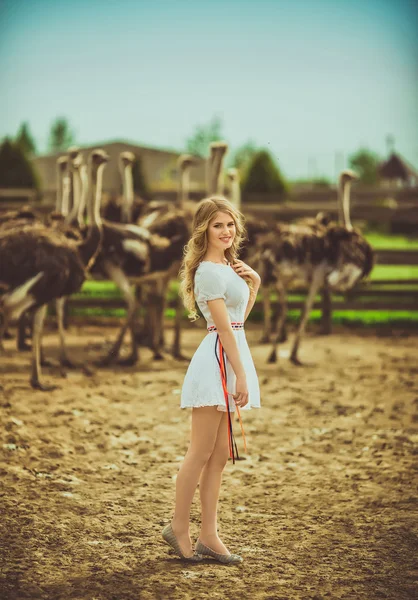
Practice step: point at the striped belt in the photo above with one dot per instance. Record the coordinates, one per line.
(235, 325)
(221, 358)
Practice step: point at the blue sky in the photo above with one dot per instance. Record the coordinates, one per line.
(305, 78)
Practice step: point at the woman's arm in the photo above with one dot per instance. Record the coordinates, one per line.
(244, 270)
(220, 317)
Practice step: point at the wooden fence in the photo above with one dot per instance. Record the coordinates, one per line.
(379, 294)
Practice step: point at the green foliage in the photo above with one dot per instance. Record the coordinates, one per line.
(243, 155)
(140, 183)
(60, 136)
(264, 176)
(198, 144)
(366, 164)
(16, 170)
(25, 140)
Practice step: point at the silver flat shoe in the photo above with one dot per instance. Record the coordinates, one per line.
(226, 559)
(170, 538)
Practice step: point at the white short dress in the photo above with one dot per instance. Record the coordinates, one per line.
(202, 384)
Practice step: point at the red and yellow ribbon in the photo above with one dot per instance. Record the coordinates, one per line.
(233, 450)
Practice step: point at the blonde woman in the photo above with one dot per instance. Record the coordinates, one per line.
(221, 378)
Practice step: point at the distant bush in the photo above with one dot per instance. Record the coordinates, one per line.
(264, 177)
(16, 170)
(366, 164)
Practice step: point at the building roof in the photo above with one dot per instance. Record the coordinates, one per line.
(396, 167)
(159, 167)
(108, 143)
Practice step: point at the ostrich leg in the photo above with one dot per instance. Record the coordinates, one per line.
(121, 280)
(281, 292)
(60, 304)
(317, 281)
(38, 321)
(23, 321)
(326, 316)
(157, 302)
(176, 350)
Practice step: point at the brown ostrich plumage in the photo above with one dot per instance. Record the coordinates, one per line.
(318, 252)
(32, 250)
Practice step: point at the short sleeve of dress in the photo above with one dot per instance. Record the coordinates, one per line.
(209, 286)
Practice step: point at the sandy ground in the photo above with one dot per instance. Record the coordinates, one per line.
(324, 506)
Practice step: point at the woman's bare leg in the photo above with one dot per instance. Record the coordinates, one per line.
(205, 425)
(210, 484)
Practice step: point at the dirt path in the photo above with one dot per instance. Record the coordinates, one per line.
(324, 506)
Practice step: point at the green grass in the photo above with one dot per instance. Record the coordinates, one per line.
(394, 272)
(343, 317)
(107, 289)
(382, 241)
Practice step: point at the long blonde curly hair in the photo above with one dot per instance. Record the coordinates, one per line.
(195, 249)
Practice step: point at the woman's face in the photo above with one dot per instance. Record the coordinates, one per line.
(221, 231)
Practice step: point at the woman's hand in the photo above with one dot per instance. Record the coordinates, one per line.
(241, 392)
(245, 270)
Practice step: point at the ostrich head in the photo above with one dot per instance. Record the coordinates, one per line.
(218, 149)
(97, 159)
(347, 175)
(185, 161)
(126, 159)
(233, 175)
(62, 164)
(73, 152)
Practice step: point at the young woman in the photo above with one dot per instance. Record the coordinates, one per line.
(221, 377)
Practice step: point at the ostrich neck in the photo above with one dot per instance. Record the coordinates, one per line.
(90, 246)
(65, 198)
(58, 200)
(215, 174)
(124, 213)
(184, 185)
(236, 194)
(129, 192)
(346, 204)
(84, 194)
(71, 216)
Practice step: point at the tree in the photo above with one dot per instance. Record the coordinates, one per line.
(243, 155)
(203, 135)
(366, 164)
(60, 136)
(25, 140)
(263, 176)
(16, 171)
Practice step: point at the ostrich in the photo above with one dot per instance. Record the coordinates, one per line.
(214, 170)
(235, 187)
(10, 220)
(147, 253)
(128, 209)
(39, 264)
(333, 254)
(254, 228)
(170, 221)
(59, 220)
